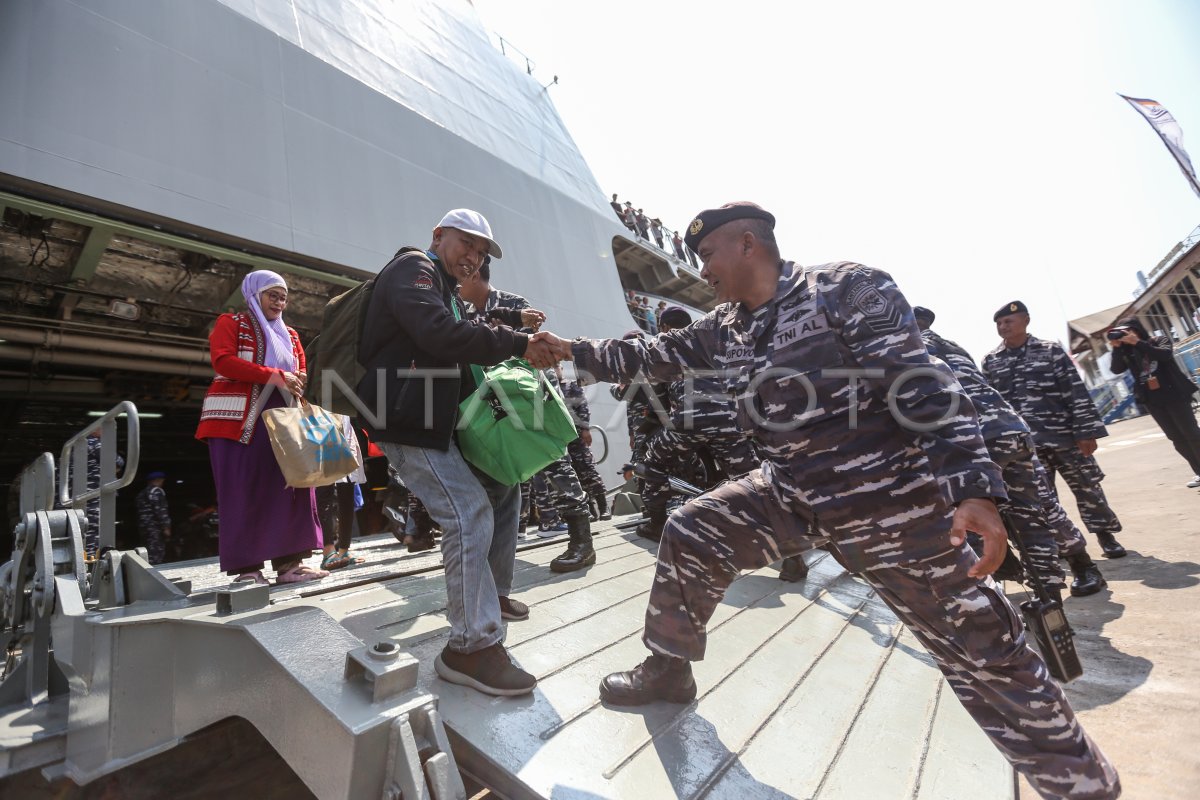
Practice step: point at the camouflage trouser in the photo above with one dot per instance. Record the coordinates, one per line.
(968, 626)
(1070, 540)
(156, 543)
(1024, 478)
(670, 451)
(585, 467)
(1083, 475)
(559, 490)
(91, 534)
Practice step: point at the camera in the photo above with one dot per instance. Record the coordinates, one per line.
(1117, 333)
(1044, 618)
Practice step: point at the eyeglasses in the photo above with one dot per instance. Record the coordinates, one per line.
(276, 297)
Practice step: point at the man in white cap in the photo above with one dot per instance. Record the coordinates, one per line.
(417, 344)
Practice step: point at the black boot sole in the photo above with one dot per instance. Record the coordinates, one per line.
(680, 694)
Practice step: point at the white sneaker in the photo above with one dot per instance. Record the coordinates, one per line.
(1194, 482)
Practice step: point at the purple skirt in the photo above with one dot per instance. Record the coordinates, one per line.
(261, 518)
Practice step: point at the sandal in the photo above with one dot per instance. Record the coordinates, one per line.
(256, 577)
(336, 559)
(300, 573)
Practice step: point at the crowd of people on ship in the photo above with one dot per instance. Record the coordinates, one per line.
(924, 512)
(652, 229)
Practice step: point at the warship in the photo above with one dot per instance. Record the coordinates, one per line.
(151, 154)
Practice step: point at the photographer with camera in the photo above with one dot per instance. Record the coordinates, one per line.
(1159, 385)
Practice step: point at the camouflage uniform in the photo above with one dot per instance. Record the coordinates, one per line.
(91, 536)
(558, 489)
(815, 371)
(580, 453)
(1041, 383)
(702, 415)
(1010, 445)
(154, 520)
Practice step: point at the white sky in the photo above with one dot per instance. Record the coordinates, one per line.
(977, 152)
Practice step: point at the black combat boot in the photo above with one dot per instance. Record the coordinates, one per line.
(1109, 544)
(601, 500)
(579, 550)
(1088, 579)
(793, 569)
(652, 528)
(656, 678)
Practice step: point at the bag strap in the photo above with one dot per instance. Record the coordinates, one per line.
(476, 371)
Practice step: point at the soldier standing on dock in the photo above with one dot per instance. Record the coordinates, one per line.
(870, 445)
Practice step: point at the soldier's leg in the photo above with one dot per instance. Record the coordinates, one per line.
(589, 477)
(156, 547)
(663, 452)
(1087, 579)
(1023, 509)
(978, 642)
(1083, 475)
(572, 505)
(707, 543)
(543, 501)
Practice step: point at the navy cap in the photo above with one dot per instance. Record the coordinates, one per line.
(1015, 307)
(156, 475)
(708, 221)
(626, 468)
(924, 314)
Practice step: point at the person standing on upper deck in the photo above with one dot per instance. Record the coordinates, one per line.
(1039, 380)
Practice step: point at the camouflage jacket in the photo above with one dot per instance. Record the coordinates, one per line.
(996, 417)
(813, 372)
(702, 404)
(152, 509)
(1044, 387)
(577, 404)
(501, 299)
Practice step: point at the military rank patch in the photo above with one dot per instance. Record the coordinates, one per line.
(423, 282)
(880, 315)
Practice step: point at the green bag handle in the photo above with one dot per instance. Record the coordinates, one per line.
(476, 370)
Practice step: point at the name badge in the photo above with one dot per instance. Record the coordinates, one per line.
(799, 325)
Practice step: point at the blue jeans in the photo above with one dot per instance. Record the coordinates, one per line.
(478, 518)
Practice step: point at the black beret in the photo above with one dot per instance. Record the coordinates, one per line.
(708, 221)
(1015, 307)
(674, 316)
(921, 312)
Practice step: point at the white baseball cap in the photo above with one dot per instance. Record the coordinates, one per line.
(464, 219)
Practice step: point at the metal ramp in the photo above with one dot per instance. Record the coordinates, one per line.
(809, 690)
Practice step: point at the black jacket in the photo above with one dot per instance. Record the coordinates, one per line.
(1153, 357)
(409, 329)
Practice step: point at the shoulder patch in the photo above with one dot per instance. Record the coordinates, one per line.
(880, 315)
(423, 282)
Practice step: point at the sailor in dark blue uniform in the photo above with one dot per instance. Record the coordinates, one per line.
(1038, 379)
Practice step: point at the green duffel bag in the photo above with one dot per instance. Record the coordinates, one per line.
(514, 424)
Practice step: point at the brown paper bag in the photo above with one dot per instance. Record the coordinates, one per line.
(309, 444)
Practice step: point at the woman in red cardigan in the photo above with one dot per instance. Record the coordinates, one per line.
(259, 364)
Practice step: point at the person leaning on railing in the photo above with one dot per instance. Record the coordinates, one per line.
(1159, 385)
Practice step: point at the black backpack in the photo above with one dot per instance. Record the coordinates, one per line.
(334, 369)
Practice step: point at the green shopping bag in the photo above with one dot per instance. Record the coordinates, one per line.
(514, 424)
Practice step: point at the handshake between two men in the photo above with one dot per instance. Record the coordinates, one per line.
(546, 350)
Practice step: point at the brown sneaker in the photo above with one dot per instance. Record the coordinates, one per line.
(513, 609)
(489, 670)
(657, 678)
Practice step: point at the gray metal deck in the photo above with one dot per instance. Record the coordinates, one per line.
(809, 690)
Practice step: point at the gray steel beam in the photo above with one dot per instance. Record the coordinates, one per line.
(171, 240)
(89, 257)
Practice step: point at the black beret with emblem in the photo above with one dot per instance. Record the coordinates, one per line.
(923, 313)
(1015, 307)
(708, 221)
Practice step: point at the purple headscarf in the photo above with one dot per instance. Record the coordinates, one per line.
(279, 342)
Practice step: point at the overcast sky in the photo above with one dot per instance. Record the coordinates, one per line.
(977, 152)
